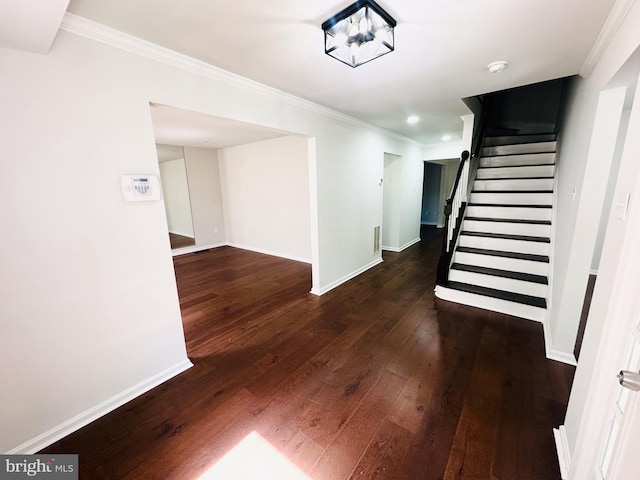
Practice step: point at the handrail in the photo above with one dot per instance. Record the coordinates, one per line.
(454, 212)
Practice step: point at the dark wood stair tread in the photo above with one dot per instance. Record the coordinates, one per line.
(511, 191)
(501, 253)
(513, 178)
(501, 294)
(502, 140)
(526, 277)
(508, 205)
(506, 236)
(508, 220)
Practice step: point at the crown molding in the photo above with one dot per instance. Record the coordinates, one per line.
(611, 26)
(109, 36)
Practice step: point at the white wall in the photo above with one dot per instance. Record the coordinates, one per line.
(577, 222)
(611, 185)
(205, 194)
(175, 191)
(392, 193)
(265, 192)
(88, 299)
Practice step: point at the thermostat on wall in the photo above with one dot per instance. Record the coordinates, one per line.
(140, 188)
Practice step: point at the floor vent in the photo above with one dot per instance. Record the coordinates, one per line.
(376, 239)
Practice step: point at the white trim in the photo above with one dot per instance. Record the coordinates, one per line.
(406, 245)
(109, 36)
(182, 234)
(60, 431)
(200, 248)
(548, 341)
(562, 449)
(346, 278)
(611, 26)
(195, 248)
(269, 252)
(557, 355)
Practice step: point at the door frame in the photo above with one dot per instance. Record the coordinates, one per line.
(606, 338)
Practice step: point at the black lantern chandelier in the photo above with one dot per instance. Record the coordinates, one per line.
(359, 33)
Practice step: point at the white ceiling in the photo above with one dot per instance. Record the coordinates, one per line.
(30, 24)
(442, 49)
(174, 126)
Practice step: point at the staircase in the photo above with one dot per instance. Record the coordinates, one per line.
(501, 259)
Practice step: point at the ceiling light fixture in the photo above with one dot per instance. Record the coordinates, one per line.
(497, 67)
(413, 119)
(359, 33)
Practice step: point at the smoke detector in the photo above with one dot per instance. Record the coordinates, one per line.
(497, 67)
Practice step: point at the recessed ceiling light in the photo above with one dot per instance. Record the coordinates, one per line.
(413, 119)
(497, 67)
(446, 138)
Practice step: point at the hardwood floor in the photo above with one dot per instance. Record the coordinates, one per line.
(180, 241)
(375, 379)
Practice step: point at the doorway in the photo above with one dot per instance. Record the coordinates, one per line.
(430, 213)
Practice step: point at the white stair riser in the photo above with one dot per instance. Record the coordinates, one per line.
(499, 283)
(506, 227)
(494, 304)
(515, 172)
(517, 213)
(504, 244)
(519, 148)
(502, 263)
(512, 198)
(514, 184)
(513, 160)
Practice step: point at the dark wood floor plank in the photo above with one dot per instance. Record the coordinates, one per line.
(385, 455)
(375, 379)
(472, 448)
(346, 449)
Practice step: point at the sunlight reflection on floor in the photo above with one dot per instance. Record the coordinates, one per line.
(254, 458)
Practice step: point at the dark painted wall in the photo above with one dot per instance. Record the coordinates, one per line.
(431, 193)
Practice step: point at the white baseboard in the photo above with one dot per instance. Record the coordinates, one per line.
(346, 278)
(195, 248)
(557, 355)
(60, 431)
(562, 450)
(410, 243)
(182, 234)
(269, 252)
(406, 245)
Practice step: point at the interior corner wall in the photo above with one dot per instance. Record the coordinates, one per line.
(571, 261)
(265, 192)
(88, 299)
(175, 191)
(206, 196)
